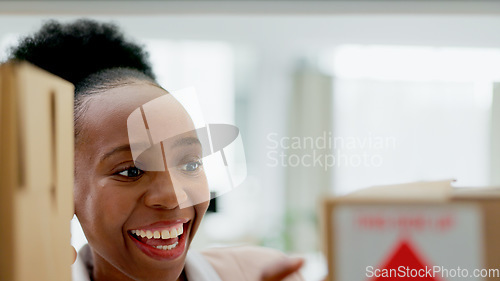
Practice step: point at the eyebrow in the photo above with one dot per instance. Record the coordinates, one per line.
(186, 141)
(180, 142)
(125, 147)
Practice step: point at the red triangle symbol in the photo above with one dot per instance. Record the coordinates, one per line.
(404, 260)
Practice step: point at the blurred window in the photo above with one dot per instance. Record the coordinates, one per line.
(413, 113)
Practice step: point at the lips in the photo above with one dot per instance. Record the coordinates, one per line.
(162, 240)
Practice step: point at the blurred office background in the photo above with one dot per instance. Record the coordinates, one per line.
(381, 92)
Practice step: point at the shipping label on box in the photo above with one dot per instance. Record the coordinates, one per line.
(422, 241)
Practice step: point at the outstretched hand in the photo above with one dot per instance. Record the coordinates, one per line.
(281, 269)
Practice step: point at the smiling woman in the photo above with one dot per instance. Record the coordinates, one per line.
(139, 221)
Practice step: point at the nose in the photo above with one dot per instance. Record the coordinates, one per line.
(163, 193)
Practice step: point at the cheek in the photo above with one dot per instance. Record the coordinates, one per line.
(204, 197)
(103, 210)
(111, 202)
(200, 210)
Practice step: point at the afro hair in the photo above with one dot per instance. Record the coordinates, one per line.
(76, 50)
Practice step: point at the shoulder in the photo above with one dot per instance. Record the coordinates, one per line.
(243, 262)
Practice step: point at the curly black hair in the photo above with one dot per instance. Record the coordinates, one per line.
(76, 50)
(93, 56)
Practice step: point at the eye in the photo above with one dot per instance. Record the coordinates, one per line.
(131, 172)
(192, 166)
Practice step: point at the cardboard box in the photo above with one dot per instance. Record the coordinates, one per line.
(36, 174)
(427, 230)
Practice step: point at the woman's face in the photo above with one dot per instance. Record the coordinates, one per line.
(117, 204)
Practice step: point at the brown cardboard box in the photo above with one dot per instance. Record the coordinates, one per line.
(430, 230)
(36, 174)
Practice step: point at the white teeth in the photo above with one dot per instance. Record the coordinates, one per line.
(170, 247)
(157, 234)
(167, 247)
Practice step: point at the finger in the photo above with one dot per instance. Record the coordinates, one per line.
(281, 269)
(73, 250)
